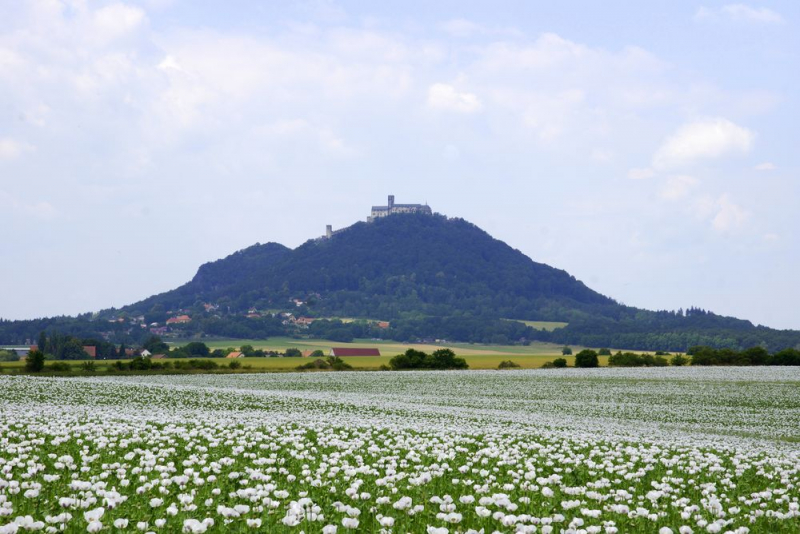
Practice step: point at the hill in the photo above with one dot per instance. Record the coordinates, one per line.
(399, 266)
(428, 276)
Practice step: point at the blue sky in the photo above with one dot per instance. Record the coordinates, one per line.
(648, 148)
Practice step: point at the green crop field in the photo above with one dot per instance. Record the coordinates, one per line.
(541, 325)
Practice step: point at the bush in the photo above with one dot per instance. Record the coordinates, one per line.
(293, 353)
(203, 365)
(234, 365)
(59, 367)
(586, 358)
(8, 356)
(34, 363)
(630, 359)
(88, 367)
(416, 359)
(560, 363)
(140, 364)
(508, 364)
(331, 363)
(679, 360)
(786, 357)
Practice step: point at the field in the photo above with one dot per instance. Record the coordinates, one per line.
(581, 451)
(477, 356)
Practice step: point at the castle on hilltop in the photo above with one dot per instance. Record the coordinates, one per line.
(391, 208)
(382, 211)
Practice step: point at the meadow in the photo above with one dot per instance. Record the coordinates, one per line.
(668, 450)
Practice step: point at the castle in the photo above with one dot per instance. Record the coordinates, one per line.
(382, 211)
(391, 208)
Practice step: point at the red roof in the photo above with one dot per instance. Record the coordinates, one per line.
(91, 350)
(346, 351)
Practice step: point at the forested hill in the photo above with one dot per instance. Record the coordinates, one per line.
(428, 276)
(400, 266)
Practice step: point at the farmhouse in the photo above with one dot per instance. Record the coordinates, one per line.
(91, 350)
(235, 354)
(346, 351)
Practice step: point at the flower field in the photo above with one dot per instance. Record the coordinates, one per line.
(677, 450)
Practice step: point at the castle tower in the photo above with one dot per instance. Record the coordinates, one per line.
(328, 231)
(391, 203)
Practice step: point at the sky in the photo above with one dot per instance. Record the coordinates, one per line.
(648, 148)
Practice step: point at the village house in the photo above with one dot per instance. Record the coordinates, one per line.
(235, 354)
(304, 321)
(179, 319)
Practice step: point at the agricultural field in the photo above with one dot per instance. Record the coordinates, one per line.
(387, 348)
(668, 450)
(477, 356)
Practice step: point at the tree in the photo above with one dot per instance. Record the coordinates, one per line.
(197, 348)
(34, 363)
(72, 350)
(604, 352)
(155, 345)
(293, 352)
(586, 358)
(559, 363)
(42, 346)
(566, 351)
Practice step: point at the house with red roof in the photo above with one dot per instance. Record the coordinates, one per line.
(179, 319)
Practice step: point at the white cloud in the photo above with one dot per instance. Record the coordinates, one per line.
(703, 139)
(739, 13)
(766, 166)
(677, 187)
(729, 215)
(117, 20)
(444, 96)
(641, 173)
(12, 149)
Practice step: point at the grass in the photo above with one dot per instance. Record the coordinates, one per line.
(541, 325)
